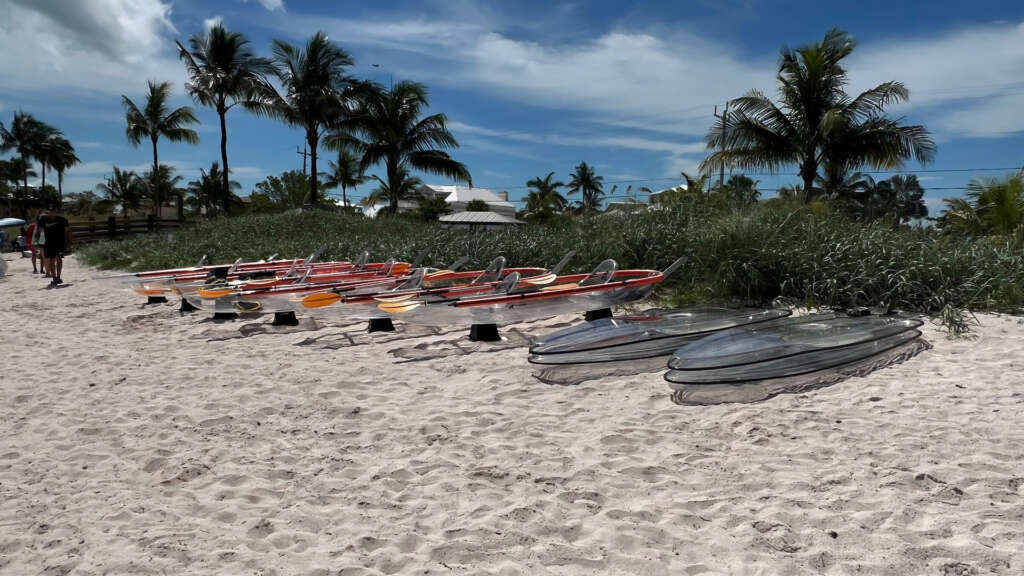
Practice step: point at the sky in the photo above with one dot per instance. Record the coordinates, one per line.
(529, 86)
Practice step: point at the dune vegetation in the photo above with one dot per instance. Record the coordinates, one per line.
(739, 256)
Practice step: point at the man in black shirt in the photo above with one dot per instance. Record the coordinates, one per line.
(57, 232)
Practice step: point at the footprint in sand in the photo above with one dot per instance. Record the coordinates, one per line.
(261, 529)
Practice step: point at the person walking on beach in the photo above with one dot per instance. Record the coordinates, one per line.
(58, 238)
(31, 246)
(39, 242)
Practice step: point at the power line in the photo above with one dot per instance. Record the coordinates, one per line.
(676, 178)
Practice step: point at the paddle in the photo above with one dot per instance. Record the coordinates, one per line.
(449, 270)
(326, 298)
(507, 284)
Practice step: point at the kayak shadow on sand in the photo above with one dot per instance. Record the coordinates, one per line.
(462, 346)
(253, 328)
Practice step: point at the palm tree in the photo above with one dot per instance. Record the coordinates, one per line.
(392, 132)
(960, 217)
(50, 140)
(125, 188)
(402, 186)
(815, 120)
(164, 184)
(590, 185)
(543, 199)
(26, 137)
(317, 92)
(741, 189)
(910, 195)
(206, 191)
(156, 120)
(223, 72)
(371, 200)
(60, 155)
(345, 173)
(999, 203)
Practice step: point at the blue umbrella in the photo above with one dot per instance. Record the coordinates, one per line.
(4, 222)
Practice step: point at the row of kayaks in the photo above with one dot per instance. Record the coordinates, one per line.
(719, 355)
(423, 295)
(709, 355)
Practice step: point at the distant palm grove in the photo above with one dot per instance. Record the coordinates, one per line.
(384, 136)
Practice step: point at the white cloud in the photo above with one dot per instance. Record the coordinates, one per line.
(247, 172)
(587, 141)
(211, 22)
(963, 82)
(97, 46)
(624, 78)
(270, 4)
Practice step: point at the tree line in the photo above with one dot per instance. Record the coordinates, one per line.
(31, 140)
(363, 122)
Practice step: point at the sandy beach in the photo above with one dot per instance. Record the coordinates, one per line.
(135, 440)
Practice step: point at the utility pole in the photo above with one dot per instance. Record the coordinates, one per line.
(302, 153)
(724, 117)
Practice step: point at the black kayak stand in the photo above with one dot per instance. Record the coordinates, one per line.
(484, 333)
(592, 315)
(285, 319)
(380, 325)
(225, 316)
(186, 306)
(156, 299)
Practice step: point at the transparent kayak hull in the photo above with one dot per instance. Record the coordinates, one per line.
(651, 334)
(703, 394)
(512, 311)
(362, 302)
(787, 338)
(817, 360)
(286, 298)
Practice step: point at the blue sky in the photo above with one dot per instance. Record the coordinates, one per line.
(529, 87)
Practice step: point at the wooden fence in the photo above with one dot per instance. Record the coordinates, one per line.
(113, 228)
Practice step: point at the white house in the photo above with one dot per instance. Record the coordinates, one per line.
(457, 198)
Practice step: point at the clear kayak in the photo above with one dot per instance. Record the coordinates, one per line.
(749, 364)
(516, 300)
(356, 296)
(796, 337)
(285, 295)
(651, 334)
(363, 302)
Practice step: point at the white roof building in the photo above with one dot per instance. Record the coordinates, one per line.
(457, 198)
(477, 220)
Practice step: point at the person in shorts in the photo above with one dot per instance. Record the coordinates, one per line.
(57, 232)
(30, 239)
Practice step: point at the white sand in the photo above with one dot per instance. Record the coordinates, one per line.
(135, 441)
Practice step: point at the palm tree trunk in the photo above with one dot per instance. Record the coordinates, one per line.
(808, 170)
(313, 142)
(344, 199)
(224, 160)
(393, 186)
(155, 182)
(24, 200)
(60, 186)
(43, 185)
